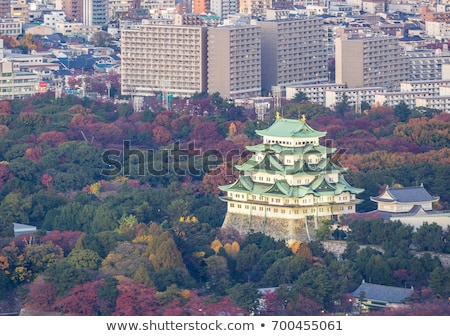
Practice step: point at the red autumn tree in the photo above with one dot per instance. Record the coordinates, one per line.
(41, 295)
(83, 300)
(135, 299)
(64, 239)
(52, 138)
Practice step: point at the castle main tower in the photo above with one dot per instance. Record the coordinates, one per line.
(289, 185)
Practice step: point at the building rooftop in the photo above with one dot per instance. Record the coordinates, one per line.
(405, 195)
(382, 293)
(290, 128)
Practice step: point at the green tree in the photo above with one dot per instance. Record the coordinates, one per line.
(324, 230)
(343, 106)
(429, 237)
(41, 256)
(440, 282)
(300, 96)
(125, 260)
(217, 269)
(316, 284)
(402, 111)
(84, 258)
(247, 258)
(285, 271)
(65, 276)
(246, 296)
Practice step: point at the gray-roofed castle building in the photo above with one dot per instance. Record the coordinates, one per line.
(375, 296)
(410, 205)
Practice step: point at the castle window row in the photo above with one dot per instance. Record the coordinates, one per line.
(284, 211)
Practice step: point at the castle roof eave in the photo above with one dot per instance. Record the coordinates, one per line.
(290, 128)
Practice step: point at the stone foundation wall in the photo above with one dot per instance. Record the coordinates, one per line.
(278, 228)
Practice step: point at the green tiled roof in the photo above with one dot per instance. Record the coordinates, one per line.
(318, 187)
(270, 164)
(276, 148)
(291, 128)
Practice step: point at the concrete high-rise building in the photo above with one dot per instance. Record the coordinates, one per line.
(371, 61)
(255, 8)
(5, 8)
(73, 10)
(234, 60)
(224, 8)
(20, 10)
(95, 12)
(293, 51)
(200, 6)
(163, 58)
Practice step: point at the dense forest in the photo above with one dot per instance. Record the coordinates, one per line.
(128, 214)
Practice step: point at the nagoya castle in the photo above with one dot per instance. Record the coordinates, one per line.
(289, 185)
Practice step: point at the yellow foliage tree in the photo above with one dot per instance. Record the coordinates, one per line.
(295, 246)
(94, 188)
(232, 249)
(231, 130)
(142, 239)
(216, 245)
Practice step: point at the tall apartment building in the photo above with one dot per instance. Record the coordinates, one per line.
(234, 60)
(5, 8)
(163, 58)
(20, 10)
(427, 64)
(95, 12)
(371, 61)
(293, 51)
(73, 10)
(256, 8)
(200, 6)
(224, 8)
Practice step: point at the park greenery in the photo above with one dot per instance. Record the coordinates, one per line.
(116, 239)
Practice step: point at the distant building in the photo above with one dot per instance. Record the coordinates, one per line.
(19, 10)
(316, 93)
(12, 27)
(16, 84)
(95, 12)
(355, 96)
(427, 64)
(73, 10)
(22, 229)
(234, 60)
(292, 50)
(371, 61)
(411, 206)
(164, 58)
(224, 8)
(5, 8)
(405, 199)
